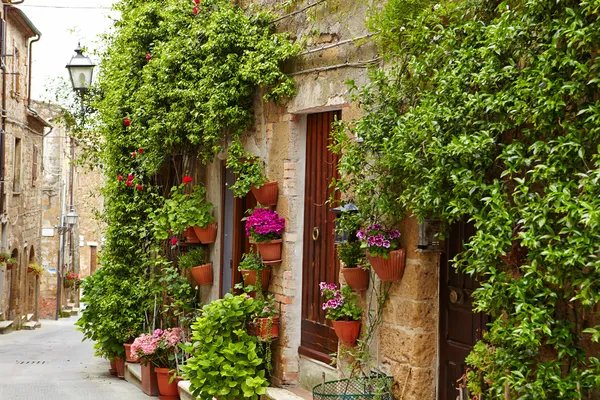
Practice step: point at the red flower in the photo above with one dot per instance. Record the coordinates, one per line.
(129, 177)
(126, 122)
(128, 183)
(119, 178)
(173, 241)
(139, 187)
(196, 9)
(148, 57)
(134, 154)
(141, 150)
(187, 179)
(197, 1)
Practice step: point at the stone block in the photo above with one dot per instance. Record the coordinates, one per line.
(414, 347)
(413, 383)
(420, 281)
(411, 314)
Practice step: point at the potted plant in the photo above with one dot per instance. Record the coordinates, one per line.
(160, 349)
(383, 251)
(10, 262)
(4, 256)
(352, 256)
(265, 227)
(35, 268)
(341, 307)
(195, 261)
(72, 280)
(252, 267)
(265, 323)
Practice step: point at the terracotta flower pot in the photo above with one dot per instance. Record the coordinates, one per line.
(270, 251)
(207, 234)
(264, 329)
(266, 194)
(250, 277)
(347, 331)
(128, 355)
(357, 278)
(113, 368)
(149, 380)
(120, 364)
(391, 268)
(167, 391)
(203, 274)
(190, 236)
(9, 266)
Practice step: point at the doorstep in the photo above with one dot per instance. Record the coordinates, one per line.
(272, 393)
(133, 374)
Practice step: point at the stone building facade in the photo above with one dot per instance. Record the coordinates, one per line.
(83, 241)
(21, 146)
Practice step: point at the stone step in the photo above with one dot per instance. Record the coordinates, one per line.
(29, 317)
(6, 327)
(133, 374)
(67, 308)
(286, 394)
(71, 305)
(29, 326)
(75, 311)
(184, 390)
(38, 324)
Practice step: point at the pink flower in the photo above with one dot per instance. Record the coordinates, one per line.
(196, 9)
(134, 154)
(119, 178)
(128, 183)
(187, 179)
(126, 121)
(148, 57)
(197, 1)
(129, 177)
(139, 187)
(265, 224)
(174, 241)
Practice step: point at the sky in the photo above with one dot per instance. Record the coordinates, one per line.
(63, 23)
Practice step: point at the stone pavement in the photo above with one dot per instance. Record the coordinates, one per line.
(52, 363)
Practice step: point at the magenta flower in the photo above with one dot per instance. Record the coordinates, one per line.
(264, 225)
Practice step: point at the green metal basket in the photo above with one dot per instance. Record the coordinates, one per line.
(374, 387)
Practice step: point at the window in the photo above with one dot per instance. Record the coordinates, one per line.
(34, 165)
(16, 77)
(17, 167)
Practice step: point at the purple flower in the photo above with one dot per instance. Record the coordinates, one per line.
(361, 234)
(386, 244)
(263, 222)
(395, 234)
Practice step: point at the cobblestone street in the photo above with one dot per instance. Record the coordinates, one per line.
(52, 363)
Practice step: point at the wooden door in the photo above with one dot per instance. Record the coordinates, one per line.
(459, 326)
(93, 259)
(320, 263)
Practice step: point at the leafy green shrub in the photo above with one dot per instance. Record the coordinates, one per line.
(351, 254)
(192, 258)
(247, 168)
(225, 360)
(251, 262)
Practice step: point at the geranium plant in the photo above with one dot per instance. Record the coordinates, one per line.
(35, 268)
(159, 348)
(378, 241)
(72, 280)
(264, 225)
(340, 305)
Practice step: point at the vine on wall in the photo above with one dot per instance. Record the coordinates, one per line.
(488, 111)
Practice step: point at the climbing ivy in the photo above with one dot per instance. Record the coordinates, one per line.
(489, 112)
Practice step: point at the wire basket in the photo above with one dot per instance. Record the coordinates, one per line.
(374, 387)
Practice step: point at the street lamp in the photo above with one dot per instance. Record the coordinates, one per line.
(81, 69)
(72, 218)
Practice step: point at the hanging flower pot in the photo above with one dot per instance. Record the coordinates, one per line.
(250, 277)
(357, 278)
(120, 365)
(266, 194)
(128, 356)
(270, 251)
(167, 391)
(265, 328)
(208, 234)
(347, 331)
(149, 379)
(113, 368)
(190, 236)
(203, 274)
(389, 269)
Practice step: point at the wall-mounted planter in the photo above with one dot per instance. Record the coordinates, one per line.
(270, 251)
(265, 329)
(190, 236)
(250, 277)
(389, 269)
(203, 274)
(347, 331)
(266, 194)
(357, 278)
(207, 234)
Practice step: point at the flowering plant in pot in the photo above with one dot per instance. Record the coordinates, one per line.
(10, 262)
(161, 350)
(4, 256)
(265, 227)
(265, 322)
(195, 261)
(341, 307)
(383, 251)
(353, 257)
(254, 271)
(72, 280)
(35, 268)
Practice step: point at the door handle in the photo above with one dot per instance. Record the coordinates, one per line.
(315, 233)
(456, 296)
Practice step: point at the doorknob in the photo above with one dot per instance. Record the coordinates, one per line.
(315, 234)
(456, 296)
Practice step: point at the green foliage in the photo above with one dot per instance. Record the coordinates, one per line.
(351, 254)
(225, 360)
(340, 305)
(192, 258)
(247, 168)
(35, 268)
(488, 111)
(251, 262)
(181, 210)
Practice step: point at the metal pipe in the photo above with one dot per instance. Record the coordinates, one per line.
(30, 61)
(61, 234)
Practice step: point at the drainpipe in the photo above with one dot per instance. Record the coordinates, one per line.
(30, 61)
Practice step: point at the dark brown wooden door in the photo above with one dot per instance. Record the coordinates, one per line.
(459, 326)
(320, 264)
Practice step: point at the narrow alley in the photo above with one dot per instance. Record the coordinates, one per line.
(52, 363)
